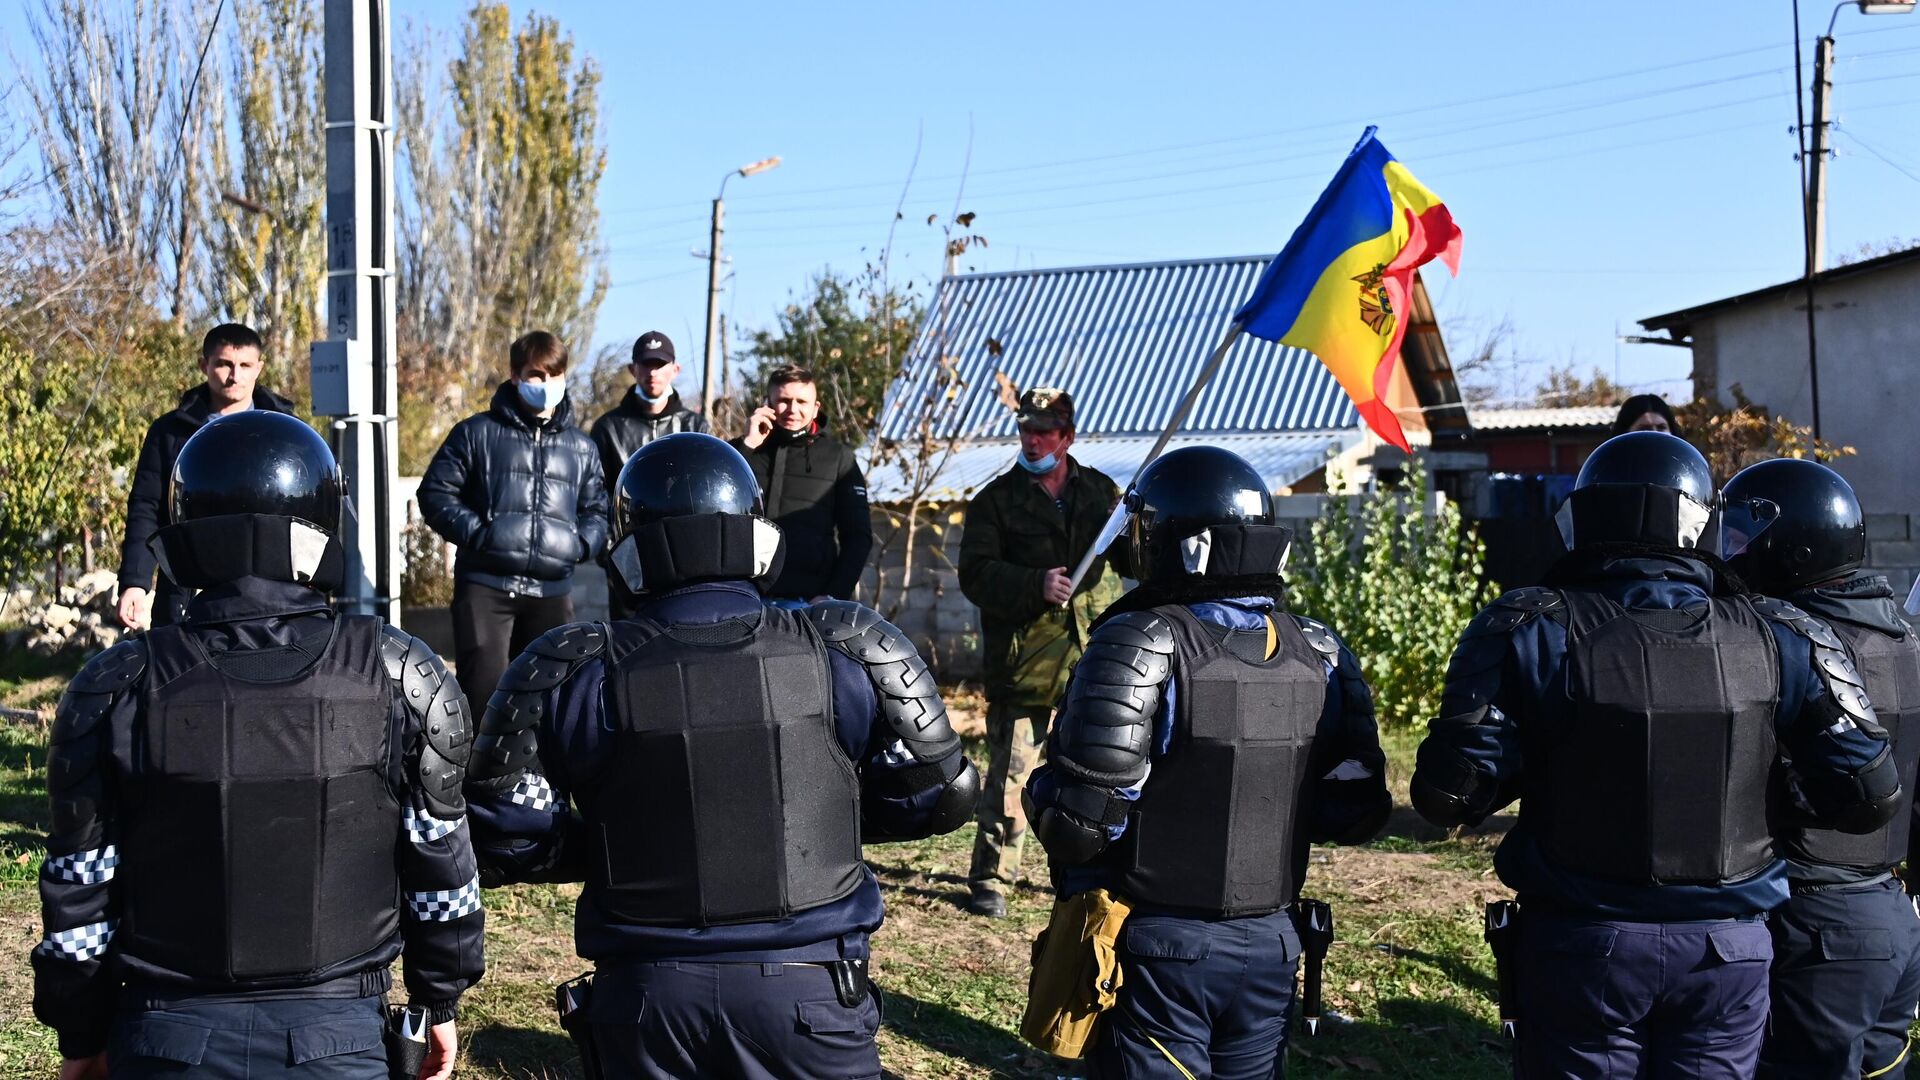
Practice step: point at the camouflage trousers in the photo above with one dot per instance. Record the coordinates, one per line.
(1016, 741)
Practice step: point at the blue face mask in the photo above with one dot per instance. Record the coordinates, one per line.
(654, 401)
(1042, 467)
(542, 396)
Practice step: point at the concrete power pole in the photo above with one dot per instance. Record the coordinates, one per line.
(353, 368)
(1817, 156)
(709, 367)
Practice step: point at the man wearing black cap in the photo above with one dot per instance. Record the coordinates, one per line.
(651, 409)
(1024, 532)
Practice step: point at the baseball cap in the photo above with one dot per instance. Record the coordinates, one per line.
(653, 347)
(1045, 408)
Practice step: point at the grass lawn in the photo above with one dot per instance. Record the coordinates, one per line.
(1408, 970)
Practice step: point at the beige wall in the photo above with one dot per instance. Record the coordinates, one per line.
(1869, 356)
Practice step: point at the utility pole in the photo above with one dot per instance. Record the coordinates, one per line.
(713, 350)
(1817, 157)
(713, 299)
(353, 369)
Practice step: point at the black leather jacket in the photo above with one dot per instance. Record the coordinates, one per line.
(523, 500)
(627, 427)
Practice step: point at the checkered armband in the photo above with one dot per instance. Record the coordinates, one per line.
(445, 905)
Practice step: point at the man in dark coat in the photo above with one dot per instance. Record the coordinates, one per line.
(813, 490)
(651, 409)
(230, 360)
(518, 489)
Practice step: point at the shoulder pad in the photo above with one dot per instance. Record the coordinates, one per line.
(1320, 636)
(112, 671)
(429, 694)
(859, 631)
(907, 696)
(95, 686)
(1831, 661)
(1515, 609)
(1814, 630)
(507, 740)
(1137, 629)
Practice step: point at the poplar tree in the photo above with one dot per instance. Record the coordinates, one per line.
(499, 234)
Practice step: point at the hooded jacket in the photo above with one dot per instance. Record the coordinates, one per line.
(522, 499)
(147, 506)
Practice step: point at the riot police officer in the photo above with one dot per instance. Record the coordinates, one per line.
(1638, 704)
(257, 809)
(1846, 944)
(723, 761)
(1206, 738)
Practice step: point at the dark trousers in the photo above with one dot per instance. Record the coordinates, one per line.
(691, 1021)
(1846, 978)
(1656, 1001)
(1200, 998)
(303, 1039)
(490, 628)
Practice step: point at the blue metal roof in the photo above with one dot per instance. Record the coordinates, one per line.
(1282, 458)
(1126, 341)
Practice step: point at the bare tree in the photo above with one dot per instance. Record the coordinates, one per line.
(118, 112)
(268, 265)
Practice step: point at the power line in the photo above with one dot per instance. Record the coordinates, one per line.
(1254, 137)
(1868, 147)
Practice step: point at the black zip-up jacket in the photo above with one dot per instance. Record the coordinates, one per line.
(521, 499)
(147, 511)
(99, 743)
(815, 492)
(628, 426)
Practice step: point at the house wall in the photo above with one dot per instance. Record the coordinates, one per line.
(1869, 376)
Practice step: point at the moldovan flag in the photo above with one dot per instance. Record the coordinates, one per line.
(1341, 287)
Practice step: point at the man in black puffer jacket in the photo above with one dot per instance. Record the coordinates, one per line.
(518, 490)
(813, 490)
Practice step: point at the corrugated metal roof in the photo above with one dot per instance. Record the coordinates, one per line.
(1125, 340)
(1283, 458)
(1577, 416)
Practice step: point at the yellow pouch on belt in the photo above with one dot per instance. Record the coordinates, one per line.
(1076, 972)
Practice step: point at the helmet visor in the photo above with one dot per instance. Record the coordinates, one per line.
(1743, 521)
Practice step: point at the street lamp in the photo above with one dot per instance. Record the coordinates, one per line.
(1814, 212)
(713, 276)
(1822, 112)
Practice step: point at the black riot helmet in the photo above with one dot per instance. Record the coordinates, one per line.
(257, 462)
(687, 508)
(1786, 524)
(256, 493)
(1644, 487)
(1201, 511)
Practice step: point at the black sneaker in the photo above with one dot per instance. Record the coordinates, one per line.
(987, 903)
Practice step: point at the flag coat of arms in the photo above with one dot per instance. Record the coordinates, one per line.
(1341, 287)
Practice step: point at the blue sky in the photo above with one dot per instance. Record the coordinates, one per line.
(1607, 162)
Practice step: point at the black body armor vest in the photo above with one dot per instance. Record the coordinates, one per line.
(728, 729)
(262, 820)
(1890, 667)
(1660, 775)
(1214, 829)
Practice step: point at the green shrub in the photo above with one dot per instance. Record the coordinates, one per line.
(1398, 585)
